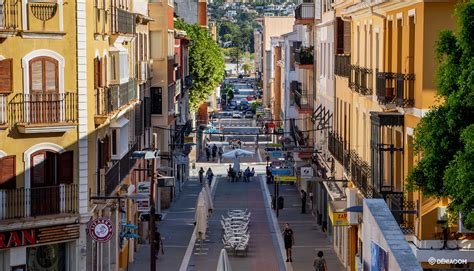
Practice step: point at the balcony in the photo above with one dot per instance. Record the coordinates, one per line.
(396, 88)
(122, 21)
(360, 80)
(3, 110)
(10, 12)
(361, 178)
(118, 170)
(304, 58)
(303, 100)
(336, 147)
(304, 13)
(44, 112)
(112, 99)
(342, 65)
(38, 201)
(401, 211)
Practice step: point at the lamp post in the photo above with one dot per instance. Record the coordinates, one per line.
(152, 207)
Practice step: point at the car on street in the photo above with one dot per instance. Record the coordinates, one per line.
(236, 115)
(249, 115)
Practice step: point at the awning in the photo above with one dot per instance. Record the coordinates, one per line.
(165, 181)
(354, 209)
(119, 123)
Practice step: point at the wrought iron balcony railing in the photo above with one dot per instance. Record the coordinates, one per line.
(43, 108)
(109, 100)
(120, 169)
(360, 79)
(342, 65)
(10, 11)
(403, 211)
(304, 13)
(361, 177)
(38, 201)
(336, 146)
(303, 100)
(122, 21)
(396, 88)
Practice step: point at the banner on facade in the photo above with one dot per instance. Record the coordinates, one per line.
(338, 218)
(143, 188)
(285, 179)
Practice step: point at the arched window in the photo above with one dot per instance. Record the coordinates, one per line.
(44, 75)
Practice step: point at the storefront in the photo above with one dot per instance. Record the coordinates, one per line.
(41, 249)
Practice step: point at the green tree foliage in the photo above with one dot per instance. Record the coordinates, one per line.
(445, 136)
(206, 63)
(247, 68)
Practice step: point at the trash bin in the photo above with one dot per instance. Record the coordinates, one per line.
(281, 202)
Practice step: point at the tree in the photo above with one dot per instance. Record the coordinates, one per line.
(206, 63)
(445, 136)
(247, 68)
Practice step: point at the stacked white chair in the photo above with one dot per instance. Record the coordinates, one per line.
(235, 231)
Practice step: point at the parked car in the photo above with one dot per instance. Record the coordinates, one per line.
(236, 115)
(249, 115)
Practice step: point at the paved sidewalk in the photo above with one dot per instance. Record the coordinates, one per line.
(176, 229)
(309, 238)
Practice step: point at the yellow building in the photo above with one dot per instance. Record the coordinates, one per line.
(384, 83)
(41, 190)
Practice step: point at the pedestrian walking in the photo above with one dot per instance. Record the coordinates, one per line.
(214, 152)
(208, 153)
(289, 241)
(319, 263)
(303, 201)
(158, 242)
(201, 175)
(220, 152)
(210, 176)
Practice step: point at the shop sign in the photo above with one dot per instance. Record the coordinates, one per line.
(285, 179)
(276, 154)
(338, 218)
(27, 237)
(143, 188)
(273, 145)
(281, 171)
(277, 163)
(143, 205)
(101, 229)
(306, 172)
(305, 155)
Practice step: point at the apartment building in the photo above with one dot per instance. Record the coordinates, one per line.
(384, 84)
(42, 195)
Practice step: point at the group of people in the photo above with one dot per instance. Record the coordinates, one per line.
(213, 152)
(236, 176)
(209, 175)
(319, 263)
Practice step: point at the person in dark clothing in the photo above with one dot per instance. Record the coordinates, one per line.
(289, 241)
(208, 153)
(201, 175)
(319, 263)
(214, 152)
(210, 176)
(303, 201)
(158, 242)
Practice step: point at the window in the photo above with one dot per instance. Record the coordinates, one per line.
(7, 172)
(170, 43)
(292, 58)
(44, 75)
(156, 44)
(156, 100)
(6, 67)
(120, 137)
(114, 142)
(113, 71)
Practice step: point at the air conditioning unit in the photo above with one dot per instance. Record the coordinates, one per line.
(442, 214)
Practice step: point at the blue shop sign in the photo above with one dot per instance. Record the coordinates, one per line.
(282, 171)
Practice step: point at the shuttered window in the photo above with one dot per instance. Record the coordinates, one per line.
(6, 75)
(7, 172)
(96, 72)
(44, 75)
(65, 167)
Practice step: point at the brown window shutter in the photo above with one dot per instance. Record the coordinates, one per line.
(97, 72)
(6, 75)
(339, 36)
(103, 72)
(347, 38)
(65, 167)
(7, 172)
